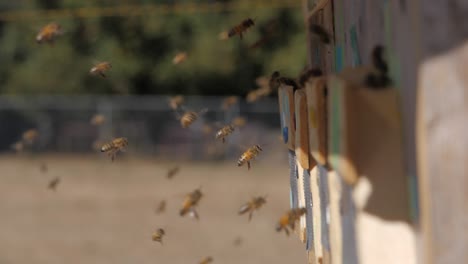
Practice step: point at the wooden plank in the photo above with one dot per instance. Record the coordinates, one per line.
(442, 147)
(286, 104)
(336, 234)
(318, 120)
(365, 140)
(317, 214)
(302, 131)
(302, 227)
(324, 199)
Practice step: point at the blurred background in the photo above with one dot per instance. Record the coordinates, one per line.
(103, 211)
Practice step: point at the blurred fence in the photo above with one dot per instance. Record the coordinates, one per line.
(63, 123)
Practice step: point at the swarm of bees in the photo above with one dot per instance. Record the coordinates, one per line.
(252, 205)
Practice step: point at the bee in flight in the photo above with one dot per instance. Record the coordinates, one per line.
(288, 220)
(229, 102)
(49, 33)
(43, 168)
(241, 28)
(239, 121)
(224, 132)
(249, 155)
(176, 101)
(97, 120)
(190, 202)
(206, 260)
(30, 136)
(189, 117)
(252, 205)
(161, 207)
(18, 146)
(179, 58)
(100, 68)
(172, 172)
(158, 235)
(53, 183)
(113, 147)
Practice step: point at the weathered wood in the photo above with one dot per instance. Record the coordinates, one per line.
(318, 120)
(336, 234)
(286, 104)
(302, 131)
(442, 157)
(301, 227)
(317, 214)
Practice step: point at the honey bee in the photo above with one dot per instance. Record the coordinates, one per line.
(379, 79)
(97, 120)
(239, 121)
(241, 28)
(100, 68)
(113, 147)
(190, 202)
(43, 168)
(179, 57)
(189, 117)
(158, 235)
(49, 33)
(320, 32)
(172, 172)
(30, 136)
(249, 155)
(224, 132)
(161, 207)
(53, 183)
(206, 260)
(307, 74)
(176, 101)
(288, 220)
(252, 205)
(229, 102)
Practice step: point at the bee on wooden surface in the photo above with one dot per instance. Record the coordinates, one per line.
(97, 120)
(113, 147)
(288, 220)
(189, 117)
(249, 155)
(100, 68)
(252, 205)
(320, 32)
(241, 28)
(49, 33)
(190, 202)
(161, 207)
(307, 74)
(224, 132)
(239, 121)
(179, 58)
(158, 235)
(228, 102)
(172, 172)
(30, 136)
(53, 184)
(206, 260)
(176, 102)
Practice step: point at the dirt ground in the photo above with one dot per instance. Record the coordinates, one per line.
(104, 212)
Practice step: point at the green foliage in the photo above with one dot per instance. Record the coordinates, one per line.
(141, 49)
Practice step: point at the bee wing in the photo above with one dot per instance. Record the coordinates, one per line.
(244, 209)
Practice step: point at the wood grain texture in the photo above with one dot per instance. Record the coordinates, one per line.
(302, 131)
(301, 227)
(287, 116)
(336, 233)
(317, 213)
(442, 157)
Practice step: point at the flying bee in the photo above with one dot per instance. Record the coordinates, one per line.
(288, 220)
(249, 155)
(189, 117)
(97, 120)
(43, 168)
(30, 136)
(190, 202)
(206, 260)
(179, 58)
(320, 32)
(49, 33)
(229, 102)
(100, 68)
(241, 28)
(252, 205)
(113, 147)
(158, 235)
(224, 132)
(161, 207)
(53, 183)
(176, 101)
(172, 172)
(239, 121)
